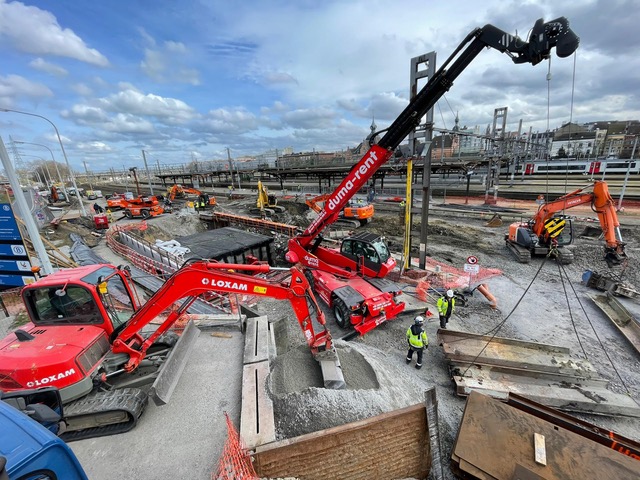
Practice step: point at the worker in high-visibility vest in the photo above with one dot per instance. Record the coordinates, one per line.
(417, 340)
(446, 304)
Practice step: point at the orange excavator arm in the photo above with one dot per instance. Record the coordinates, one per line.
(316, 203)
(601, 203)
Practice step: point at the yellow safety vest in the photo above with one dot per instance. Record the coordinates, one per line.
(417, 341)
(443, 305)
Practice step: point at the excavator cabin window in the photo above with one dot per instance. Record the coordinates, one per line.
(73, 304)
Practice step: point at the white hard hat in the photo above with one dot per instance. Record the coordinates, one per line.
(450, 293)
(418, 320)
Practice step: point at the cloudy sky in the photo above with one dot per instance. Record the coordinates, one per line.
(187, 80)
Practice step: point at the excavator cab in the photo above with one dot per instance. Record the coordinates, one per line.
(368, 248)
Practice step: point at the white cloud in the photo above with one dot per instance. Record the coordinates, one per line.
(13, 86)
(82, 89)
(168, 63)
(94, 147)
(41, 64)
(137, 103)
(127, 124)
(36, 31)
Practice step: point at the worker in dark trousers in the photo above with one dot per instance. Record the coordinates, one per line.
(417, 340)
(446, 305)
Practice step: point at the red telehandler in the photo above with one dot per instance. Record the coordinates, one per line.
(550, 230)
(351, 279)
(89, 338)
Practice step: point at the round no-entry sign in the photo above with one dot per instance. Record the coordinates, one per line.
(472, 260)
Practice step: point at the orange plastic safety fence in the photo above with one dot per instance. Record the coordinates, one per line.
(441, 276)
(235, 462)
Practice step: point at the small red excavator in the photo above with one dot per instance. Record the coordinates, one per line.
(89, 337)
(353, 215)
(550, 230)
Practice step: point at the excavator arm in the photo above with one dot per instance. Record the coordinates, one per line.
(543, 37)
(201, 277)
(602, 204)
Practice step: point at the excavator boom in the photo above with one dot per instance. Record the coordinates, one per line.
(544, 37)
(545, 229)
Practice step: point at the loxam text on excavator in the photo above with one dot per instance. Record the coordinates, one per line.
(550, 230)
(353, 215)
(267, 203)
(351, 279)
(90, 338)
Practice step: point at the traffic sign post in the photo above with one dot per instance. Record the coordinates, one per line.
(471, 267)
(15, 265)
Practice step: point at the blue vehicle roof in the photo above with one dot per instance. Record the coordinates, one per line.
(30, 447)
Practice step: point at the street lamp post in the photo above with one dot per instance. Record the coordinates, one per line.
(64, 153)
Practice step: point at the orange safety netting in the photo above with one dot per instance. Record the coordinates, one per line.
(235, 462)
(440, 276)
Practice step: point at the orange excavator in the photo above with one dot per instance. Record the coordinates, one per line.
(550, 230)
(178, 191)
(354, 214)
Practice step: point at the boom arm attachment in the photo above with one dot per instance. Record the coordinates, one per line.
(544, 37)
(201, 277)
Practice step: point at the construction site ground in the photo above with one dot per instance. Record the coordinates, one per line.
(536, 302)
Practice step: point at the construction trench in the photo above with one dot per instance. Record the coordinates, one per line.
(393, 421)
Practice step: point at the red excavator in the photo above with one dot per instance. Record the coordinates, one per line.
(550, 230)
(351, 279)
(89, 337)
(353, 215)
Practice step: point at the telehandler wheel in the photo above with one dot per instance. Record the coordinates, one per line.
(342, 313)
(309, 276)
(145, 214)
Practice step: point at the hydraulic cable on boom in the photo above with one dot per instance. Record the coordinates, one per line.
(349, 278)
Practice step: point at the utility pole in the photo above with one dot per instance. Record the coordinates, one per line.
(87, 172)
(32, 228)
(144, 159)
(230, 167)
(626, 177)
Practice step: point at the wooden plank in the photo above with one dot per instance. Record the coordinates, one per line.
(256, 343)
(561, 395)
(462, 347)
(257, 423)
(495, 438)
(621, 318)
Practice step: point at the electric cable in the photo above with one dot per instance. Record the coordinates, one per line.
(604, 350)
(573, 323)
(501, 324)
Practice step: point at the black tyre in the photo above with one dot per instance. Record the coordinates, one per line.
(342, 314)
(128, 214)
(310, 279)
(145, 214)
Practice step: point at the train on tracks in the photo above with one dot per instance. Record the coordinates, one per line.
(584, 167)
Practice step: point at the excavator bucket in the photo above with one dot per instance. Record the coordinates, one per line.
(495, 221)
(331, 369)
(171, 370)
